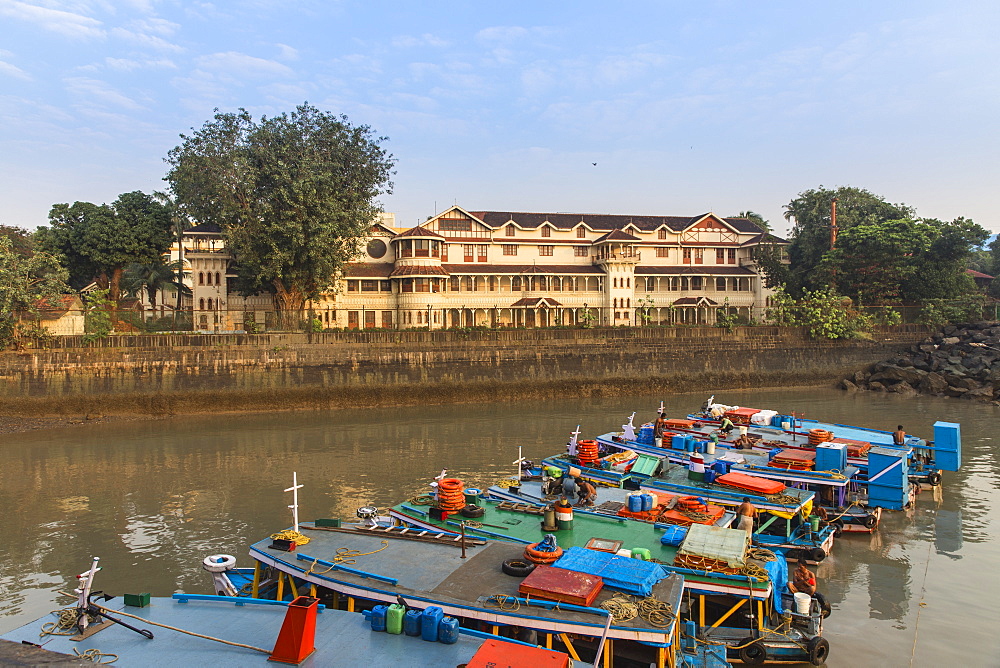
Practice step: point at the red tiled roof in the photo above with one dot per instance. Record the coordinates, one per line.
(699, 270)
(518, 269)
(418, 270)
(604, 222)
(418, 231)
(368, 269)
(977, 274)
(616, 235)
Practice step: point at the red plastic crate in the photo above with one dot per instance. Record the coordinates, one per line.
(499, 654)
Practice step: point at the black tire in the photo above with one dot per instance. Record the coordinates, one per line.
(838, 527)
(472, 510)
(794, 554)
(934, 478)
(870, 521)
(817, 554)
(517, 567)
(824, 605)
(753, 654)
(819, 650)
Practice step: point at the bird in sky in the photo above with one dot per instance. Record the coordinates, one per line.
(594, 164)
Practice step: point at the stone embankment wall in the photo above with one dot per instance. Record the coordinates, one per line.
(958, 361)
(199, 373)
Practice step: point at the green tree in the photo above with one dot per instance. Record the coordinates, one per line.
(810, 235)
(153, 278)
(995, 253)
(97, 242)
(179, 223)
(294, 195)
(754, 218)
(941, 270)
(22, 241)
(27, 284)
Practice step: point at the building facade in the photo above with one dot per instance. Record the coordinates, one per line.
(509, 269)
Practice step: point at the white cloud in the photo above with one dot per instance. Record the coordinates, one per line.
(286, 52)
(13, 71)
(130, 65)
(94, 92)
(410, 41)
(154, 26)
(242, 66)
(145, 40)
(497, 34)
(66, 23)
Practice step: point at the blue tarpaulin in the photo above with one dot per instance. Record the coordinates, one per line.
(778, 571)
(634, 576)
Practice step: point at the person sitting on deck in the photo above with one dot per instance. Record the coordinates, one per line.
(726, 427)
(568, 484)
(746, 513)
(743, 442)
(588, 493)
(899, 436)
(803, 580)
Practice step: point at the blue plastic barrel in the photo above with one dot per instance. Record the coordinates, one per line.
(634, 503)
(720, 467)
(709, 475)
(378, 617)
(429, 622)
(647, 501)
(448, 631)
(411, 622)
(677, 441)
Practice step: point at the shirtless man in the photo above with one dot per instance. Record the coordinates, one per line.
(587, 493)
(899, 436)
(745, 514)
(803, 580)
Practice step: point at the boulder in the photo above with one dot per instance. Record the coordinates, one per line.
(980, 394)
(903, 388)
(876, 386)
(848, 385)
(933, 383)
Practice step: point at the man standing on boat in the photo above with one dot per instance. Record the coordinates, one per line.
(746, 513)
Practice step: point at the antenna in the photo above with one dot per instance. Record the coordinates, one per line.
(294, 489)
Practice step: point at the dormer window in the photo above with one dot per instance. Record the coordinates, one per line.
(510, 230)
(546, 231)
(661, 234)
(581, 232)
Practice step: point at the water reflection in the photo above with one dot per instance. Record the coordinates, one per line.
(152, 499)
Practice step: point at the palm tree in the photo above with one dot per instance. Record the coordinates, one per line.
(180, 223)
(155, 277)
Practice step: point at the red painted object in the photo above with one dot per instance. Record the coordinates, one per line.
(559, 584)
(741, 416)
(297, 638)
(750, 483)
(499, 654)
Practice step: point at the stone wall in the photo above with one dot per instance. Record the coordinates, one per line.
(196, 373)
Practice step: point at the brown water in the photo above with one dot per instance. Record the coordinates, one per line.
(153, 499)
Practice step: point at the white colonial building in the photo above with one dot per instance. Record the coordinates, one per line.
(496, 269)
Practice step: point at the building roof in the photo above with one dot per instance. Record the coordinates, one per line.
(204, 228)
(977, 274)
(520, 269)
(701, 270)
(418, 270)
(604, 222)
(765, 238)
(368, 269)
(695, 301)
(419, 231)
(616, 235)
(537, 301)
(57, 307)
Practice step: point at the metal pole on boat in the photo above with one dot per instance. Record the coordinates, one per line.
(517, 463)
(462, 525)
(294, 489)
(83, 602)
(604, 637)
(793, 426)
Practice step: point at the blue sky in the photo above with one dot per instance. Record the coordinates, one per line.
(685, 107)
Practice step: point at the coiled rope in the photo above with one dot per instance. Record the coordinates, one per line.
(65, 625)
(760, 554)
(506, 602)
(624, 608)
(504, 483)
(292, 535)
(422, 500)
(95, 656)
(343, 556)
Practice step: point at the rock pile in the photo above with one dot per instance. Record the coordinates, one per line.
(958, 361)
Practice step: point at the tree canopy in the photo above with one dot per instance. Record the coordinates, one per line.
(28, 282)
(97, 241)
(293, 194)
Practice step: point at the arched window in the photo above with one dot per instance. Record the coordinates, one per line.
(201, 304)
(218, 278)
(614, 282)
(628, 282)
(209, 277)
(515, 284)
(201, 278)
(614, 303)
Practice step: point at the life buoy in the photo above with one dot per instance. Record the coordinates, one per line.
(517, 567)
(692, 503)
(536, 556)
(752, 654)
(219, 563)
(450, 484)
(819, 649)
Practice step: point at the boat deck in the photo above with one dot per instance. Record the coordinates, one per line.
(435, 574)
(342, 638)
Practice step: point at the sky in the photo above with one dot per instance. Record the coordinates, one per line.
(684, 107)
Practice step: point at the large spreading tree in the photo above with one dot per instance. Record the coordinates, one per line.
(29, 281)
(294, 195)
(96, 242)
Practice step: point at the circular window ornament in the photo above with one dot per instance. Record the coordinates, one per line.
(376, 248)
